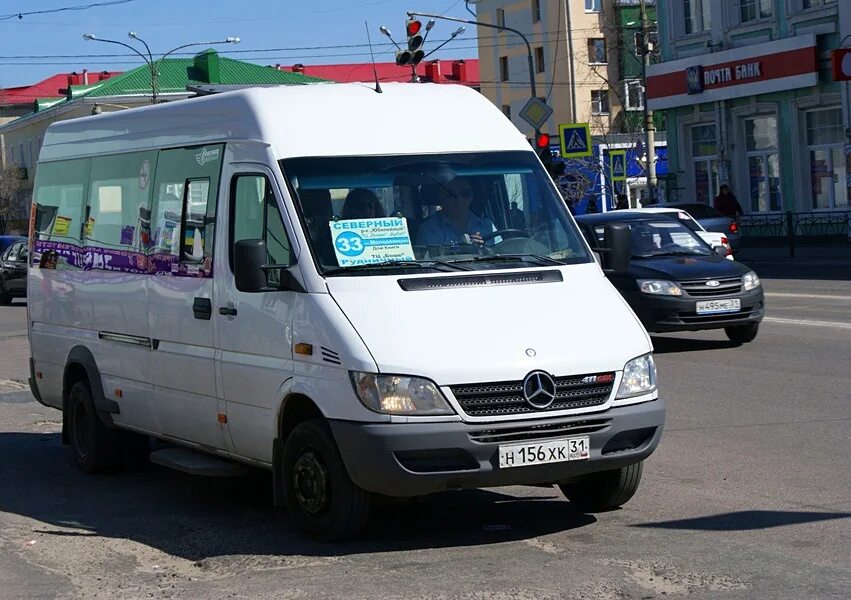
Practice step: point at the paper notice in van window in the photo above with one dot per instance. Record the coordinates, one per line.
(61, 226)
(90, 225)
(366, 241)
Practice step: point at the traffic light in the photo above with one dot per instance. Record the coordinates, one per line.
(554, 167)
(415, 53)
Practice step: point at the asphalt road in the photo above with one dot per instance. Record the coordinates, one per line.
(748, 496)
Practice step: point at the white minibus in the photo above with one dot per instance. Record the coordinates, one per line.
(367, 293)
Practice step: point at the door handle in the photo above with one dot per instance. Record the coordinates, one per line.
(202, 309)
(227, 311)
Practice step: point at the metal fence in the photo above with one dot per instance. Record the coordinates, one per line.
(795, 228)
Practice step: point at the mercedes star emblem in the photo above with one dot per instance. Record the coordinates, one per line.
(539, 389)
(530, 352)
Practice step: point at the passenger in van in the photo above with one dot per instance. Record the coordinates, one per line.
(362, 203)
(450, 225)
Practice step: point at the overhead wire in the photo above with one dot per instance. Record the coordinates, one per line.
(45, 11)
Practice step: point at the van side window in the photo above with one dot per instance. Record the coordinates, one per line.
(59, 195)
(183, 215)
(255, 216)
(118, 212)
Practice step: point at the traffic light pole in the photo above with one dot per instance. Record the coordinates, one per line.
(501, 28)
(649, 124)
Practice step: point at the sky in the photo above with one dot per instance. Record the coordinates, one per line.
(272, 32)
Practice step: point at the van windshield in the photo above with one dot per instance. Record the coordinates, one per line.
(434, 212)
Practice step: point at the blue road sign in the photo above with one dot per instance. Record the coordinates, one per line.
(575, 140)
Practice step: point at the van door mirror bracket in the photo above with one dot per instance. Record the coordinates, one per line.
(618, 249)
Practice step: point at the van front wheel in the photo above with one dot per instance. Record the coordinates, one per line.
(605, 490)
(322, 499)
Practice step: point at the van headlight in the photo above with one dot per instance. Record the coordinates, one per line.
(639, 377)
(750, 281)
(660, 288)
(399, 395)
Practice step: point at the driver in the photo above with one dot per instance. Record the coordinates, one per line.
(455, 223)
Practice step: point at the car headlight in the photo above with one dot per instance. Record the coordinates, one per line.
(399, 395)
(750, 281)
(639, 377)
(661, 288)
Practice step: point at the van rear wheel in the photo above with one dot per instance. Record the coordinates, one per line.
(605, 490)
(96, 448)
(322, 499)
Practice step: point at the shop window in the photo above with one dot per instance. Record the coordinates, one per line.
(592, 5)
(696, 16)
(600, 102)
(597, 51)
(763, 164)
(500, 17)
(704, 153)
(536, 11)
(755, 10)
(808, 4)
(826, 153)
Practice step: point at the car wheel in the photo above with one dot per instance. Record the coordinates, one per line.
(603, 491)
(322, 499)
(5, 297)
(96, 448)
(742, 334)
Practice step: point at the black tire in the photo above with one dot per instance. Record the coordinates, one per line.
(605, 490)
(742, 334)
(5, 297)
(323, 501)
(95, 447)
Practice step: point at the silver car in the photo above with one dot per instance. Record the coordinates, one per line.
(712, 220)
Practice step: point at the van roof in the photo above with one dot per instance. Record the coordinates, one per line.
(308, 120)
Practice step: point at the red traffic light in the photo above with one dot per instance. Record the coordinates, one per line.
(543, 140)
(413, 27)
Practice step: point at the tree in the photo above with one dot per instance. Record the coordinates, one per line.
(11, 181)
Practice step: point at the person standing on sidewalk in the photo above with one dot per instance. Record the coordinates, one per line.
(727, 204)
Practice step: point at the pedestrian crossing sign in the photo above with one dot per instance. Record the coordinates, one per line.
(618, 163)
(575, 140)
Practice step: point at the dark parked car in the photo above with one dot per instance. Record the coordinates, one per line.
(13, 271)
(712, 220)
(8, 240)
(675, 281)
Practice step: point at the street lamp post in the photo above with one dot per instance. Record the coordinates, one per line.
(149, 59)
(492, 26)
(649, 124)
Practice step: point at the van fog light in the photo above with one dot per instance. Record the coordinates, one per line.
(399, 395)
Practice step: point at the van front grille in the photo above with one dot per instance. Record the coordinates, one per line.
(506, 398)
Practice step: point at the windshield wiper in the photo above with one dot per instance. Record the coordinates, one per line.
(396, 264)
(511, 258)
(673, 253)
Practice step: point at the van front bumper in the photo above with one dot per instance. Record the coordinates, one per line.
(414, 459)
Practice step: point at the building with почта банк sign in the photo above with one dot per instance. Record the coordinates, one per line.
(751, 101)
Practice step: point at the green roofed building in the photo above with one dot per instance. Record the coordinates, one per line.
(178, 79)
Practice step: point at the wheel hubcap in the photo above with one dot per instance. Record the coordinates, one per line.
(310, 479)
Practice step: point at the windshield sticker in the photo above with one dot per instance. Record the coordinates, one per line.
(144, 174)
(90, 225)
(367, 241)
(61, 226)
(127, 235)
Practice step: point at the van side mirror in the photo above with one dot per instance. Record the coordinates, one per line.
(250, 270)
(618, 242)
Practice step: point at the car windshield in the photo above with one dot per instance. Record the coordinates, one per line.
(472, 211)
(663, 237)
